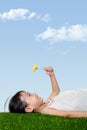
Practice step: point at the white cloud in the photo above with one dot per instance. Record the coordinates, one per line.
(45, 18)
(23, 14)
(32, 15)
(71, 33)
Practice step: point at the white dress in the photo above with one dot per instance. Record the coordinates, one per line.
(73, 100)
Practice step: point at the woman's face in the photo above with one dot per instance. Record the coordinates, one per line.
(32, 99)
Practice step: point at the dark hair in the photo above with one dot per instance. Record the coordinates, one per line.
(16, 105)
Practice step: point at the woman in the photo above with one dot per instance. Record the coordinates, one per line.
(68, 104)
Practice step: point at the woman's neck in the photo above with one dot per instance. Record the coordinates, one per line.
(41, 107)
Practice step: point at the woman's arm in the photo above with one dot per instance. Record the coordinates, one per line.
(76, 114)
(55, 86)
(67, 114)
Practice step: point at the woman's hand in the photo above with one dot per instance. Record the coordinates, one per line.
(49, 70)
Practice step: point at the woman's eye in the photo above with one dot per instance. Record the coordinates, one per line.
(29, 94)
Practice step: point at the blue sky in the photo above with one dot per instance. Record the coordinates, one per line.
(48, 33)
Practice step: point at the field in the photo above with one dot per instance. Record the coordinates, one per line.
(35, 121)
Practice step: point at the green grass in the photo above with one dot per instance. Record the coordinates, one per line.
(36, 121)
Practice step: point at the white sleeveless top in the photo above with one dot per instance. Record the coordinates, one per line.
(73, 100)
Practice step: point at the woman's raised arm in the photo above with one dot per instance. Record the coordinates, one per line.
(55, 86)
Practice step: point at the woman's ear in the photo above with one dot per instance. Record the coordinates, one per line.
(28, 109)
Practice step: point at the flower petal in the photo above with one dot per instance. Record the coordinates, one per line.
(35, 67)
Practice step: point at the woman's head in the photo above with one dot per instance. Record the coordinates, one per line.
(16, 105)
(23, 102)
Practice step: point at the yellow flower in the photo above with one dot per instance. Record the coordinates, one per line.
(35, 67)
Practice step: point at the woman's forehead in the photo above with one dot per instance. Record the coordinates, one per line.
(24, 93)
